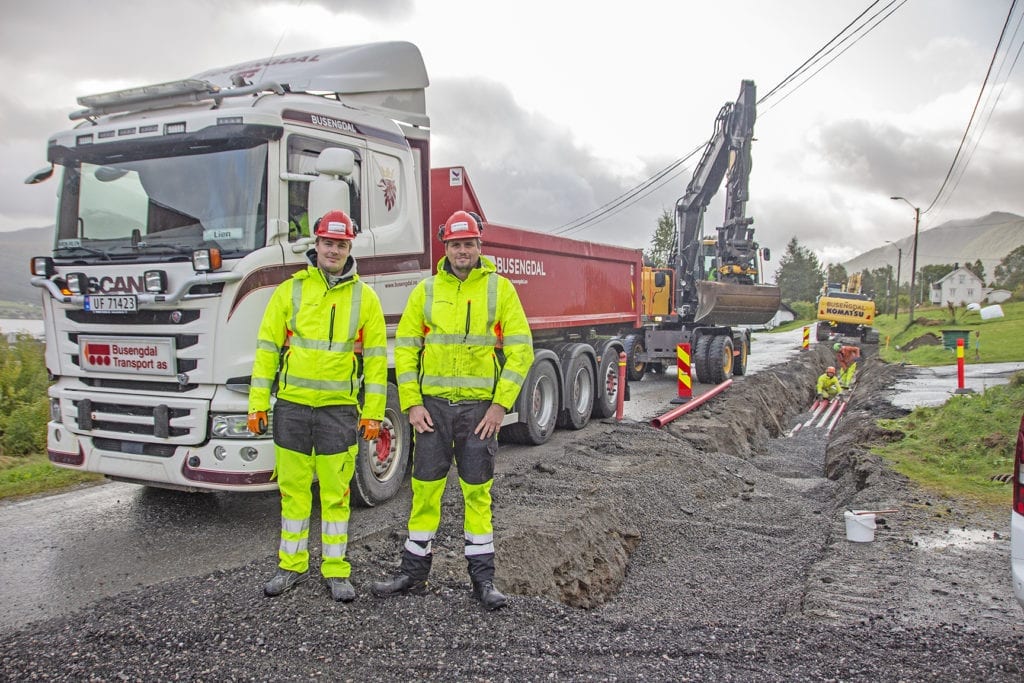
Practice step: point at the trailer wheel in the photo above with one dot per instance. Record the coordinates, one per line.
(700, 360)
(821, 332)
(634, 346)
(607, 396)
(720, 359)
(539, 403)
(579, 387)
(381, 464)
(740, 360)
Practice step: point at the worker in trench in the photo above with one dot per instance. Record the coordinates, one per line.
(828, 384)
(462, 351)
(846, 358)
(319, 329)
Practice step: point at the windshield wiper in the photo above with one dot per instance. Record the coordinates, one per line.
(88, 250)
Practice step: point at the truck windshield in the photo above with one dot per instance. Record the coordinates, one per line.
(162, 203)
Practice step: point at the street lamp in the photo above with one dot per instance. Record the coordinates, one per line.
(899, 264)
(913, 260)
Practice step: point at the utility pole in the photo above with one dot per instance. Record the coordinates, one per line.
(913, 259)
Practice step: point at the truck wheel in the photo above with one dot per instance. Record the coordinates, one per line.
(381, 464)
(579, 388)
(739, 366)
(539, 403)
(821, 332)
(699, 359)
(720, 359)
(607, 395)
(633, 347)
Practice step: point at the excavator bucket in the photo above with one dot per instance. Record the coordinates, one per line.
(721, 303)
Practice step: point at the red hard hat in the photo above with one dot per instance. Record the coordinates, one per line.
(335, 225)
(461, 225)
(830, 370)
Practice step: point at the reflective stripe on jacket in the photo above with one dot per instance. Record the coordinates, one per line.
(828, 385)
(318, 328)
(446, 342)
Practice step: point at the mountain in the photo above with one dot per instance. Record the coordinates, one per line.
(989, 238)
(16, 251)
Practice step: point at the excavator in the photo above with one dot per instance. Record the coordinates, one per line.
(712, 286)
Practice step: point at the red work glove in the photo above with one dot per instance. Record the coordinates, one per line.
(258, 422)
(369, 429)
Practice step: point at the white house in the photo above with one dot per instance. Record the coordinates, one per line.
(959, 287)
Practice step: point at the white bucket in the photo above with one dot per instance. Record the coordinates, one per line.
(860, 528)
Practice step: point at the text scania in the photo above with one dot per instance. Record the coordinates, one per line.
(518, 266)
(117, 285)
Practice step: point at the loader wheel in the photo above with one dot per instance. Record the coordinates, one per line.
(739, 366)
(633, 347)
(381, 464)
(720, 359)
(700, 360)
(538, 402)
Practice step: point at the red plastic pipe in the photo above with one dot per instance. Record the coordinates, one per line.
(663, 420)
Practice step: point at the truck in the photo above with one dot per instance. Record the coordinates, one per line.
(844, 309)
(183, 204)
(712, 290)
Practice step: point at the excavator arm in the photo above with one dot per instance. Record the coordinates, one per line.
(733, 297)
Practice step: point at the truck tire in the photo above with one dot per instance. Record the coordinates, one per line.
(538, 403)
(739, 366)
(700, 362)
(381, 464)
(720, 359)
(821, 332)
(634, 346)
(607, 394)
(578, 387)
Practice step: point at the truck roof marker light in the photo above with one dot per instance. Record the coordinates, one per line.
(41, 266)
(155, 281)
(229, 120)
(176, 128)
(205, 260)
(77, 283)
(83, 140)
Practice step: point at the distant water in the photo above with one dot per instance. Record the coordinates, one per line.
(13, 325)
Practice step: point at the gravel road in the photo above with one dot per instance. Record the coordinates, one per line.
(713, 549)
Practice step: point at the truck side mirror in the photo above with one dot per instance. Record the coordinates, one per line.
(330, 190)
(766, 254)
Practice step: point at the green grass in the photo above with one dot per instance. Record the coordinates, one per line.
(26, 476)
(957, 448)
(991, 341)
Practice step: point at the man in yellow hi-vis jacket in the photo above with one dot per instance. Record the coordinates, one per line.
(462, 351)
(309, 341)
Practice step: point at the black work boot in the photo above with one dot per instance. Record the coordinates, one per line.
(399, 585)
(341, 589)
(489, 596)
(282, 581)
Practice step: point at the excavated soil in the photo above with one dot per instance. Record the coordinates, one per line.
(713, 549)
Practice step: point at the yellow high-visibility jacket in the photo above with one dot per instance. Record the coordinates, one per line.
(447, 342)
(318, 328)
(829, 385)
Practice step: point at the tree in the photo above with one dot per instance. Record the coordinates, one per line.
(978, 268)
(1010, 271)
(800, 276)
(663, 242)
(837, 273)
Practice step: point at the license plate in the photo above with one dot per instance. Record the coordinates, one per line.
(112, 303)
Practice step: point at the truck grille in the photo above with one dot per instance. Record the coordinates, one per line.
(137, 418)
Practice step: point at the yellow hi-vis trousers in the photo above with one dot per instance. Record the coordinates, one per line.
(295, 479)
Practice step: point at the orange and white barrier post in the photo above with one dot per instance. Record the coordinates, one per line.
(620, 406)
(807, 339)
(683, 373)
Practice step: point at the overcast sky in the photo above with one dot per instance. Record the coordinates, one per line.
(558, 108)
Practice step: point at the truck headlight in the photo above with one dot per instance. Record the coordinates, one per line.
(55, 410)
(234, 427)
